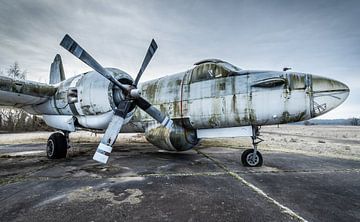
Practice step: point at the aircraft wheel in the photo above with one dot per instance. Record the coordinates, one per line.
(248, 160)
(56, 147)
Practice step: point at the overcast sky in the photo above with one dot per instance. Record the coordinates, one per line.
(319, 37)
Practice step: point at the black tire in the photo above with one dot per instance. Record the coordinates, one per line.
(246, 158)
(56, 147)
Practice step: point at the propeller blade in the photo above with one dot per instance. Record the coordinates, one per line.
(150, 52)
(105, 147)
(74, 48)
(154, 112)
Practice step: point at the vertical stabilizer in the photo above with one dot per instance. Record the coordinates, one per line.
(56, 71)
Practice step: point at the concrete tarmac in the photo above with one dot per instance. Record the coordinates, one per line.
(141, 183)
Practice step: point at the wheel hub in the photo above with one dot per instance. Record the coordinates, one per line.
(50, 148)
(251, 160)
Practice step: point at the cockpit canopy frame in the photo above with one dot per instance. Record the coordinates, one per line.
(212, 68)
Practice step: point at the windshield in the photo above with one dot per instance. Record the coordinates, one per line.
(210, 69)
(229, 66)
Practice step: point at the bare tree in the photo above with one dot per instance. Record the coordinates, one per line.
(15, 72)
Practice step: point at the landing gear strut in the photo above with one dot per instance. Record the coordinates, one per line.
(252, 157)
(57, 145)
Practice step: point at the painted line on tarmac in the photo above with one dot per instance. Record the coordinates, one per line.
(283, 208)
(293, 151)
(351, 170)
(182, 174)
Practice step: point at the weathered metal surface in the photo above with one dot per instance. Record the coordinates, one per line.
(175, 139)
(164, 94)
(56, 71)
(242, 131)
(243, 97)
(83, 95)
(214, 94)
(20, 93)
(94, 94)
(327, 95)
(61, 122)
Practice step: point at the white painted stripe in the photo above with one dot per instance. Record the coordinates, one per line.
(284, 209)
(78, 50)
(100, 157)
(166, 119)
(169, 124)
(105, 147)
(262, 193)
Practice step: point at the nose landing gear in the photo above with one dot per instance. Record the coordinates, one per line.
(252, 157)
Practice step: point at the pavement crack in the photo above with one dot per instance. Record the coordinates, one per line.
(283, 208)
(24, 178)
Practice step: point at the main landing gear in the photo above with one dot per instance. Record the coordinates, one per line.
(57, 145)
(252, 157)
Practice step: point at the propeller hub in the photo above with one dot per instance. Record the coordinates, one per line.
(135, 93)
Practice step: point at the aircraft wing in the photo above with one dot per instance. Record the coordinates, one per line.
(20, 93)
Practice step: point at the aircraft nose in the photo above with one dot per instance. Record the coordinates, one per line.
(327, 94)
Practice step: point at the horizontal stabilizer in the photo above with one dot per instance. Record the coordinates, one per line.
(57, 71)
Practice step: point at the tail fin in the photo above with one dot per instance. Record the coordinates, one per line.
(57, 71)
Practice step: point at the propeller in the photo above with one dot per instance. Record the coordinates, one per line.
(74, 48)
(151, 51)
(133, 96)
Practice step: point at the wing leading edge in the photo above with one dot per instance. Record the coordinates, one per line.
(20, 93)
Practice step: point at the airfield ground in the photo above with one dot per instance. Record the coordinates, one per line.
(310, 173)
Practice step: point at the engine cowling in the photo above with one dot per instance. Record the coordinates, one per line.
(88, 97)
(97, 95)
(175, 139)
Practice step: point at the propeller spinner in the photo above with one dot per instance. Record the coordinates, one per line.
(133, 97)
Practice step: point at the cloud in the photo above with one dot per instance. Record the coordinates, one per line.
(320, 37)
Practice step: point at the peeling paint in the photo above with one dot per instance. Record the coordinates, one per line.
(89, 194)
(175, 139)
(14, 92)
(213, 94)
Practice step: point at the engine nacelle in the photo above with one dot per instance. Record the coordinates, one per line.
(92, 94)
(174, 139)
(88, 97)
(84, 95)
(97, 97)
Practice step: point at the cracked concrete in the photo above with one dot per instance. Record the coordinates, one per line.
(208, 184)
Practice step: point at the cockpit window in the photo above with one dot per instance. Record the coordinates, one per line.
(210, 69)
(230, 67)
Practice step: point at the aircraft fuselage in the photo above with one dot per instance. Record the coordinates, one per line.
(193, 100)
(242, 99)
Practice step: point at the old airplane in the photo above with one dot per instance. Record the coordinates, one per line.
(212, 99)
